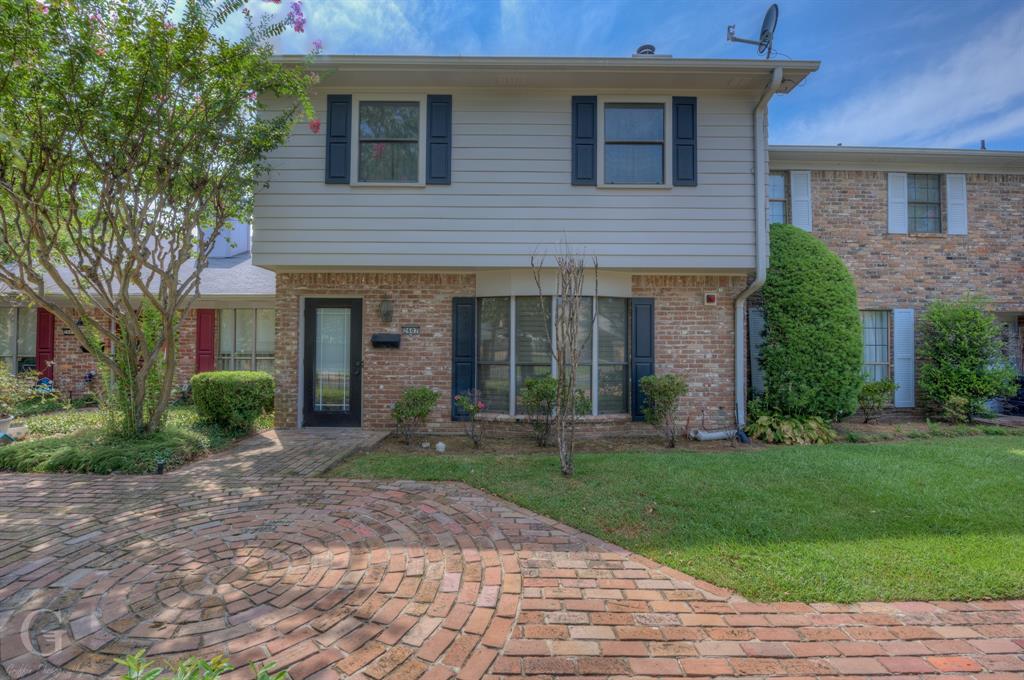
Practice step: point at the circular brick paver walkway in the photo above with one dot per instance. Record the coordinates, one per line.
(240, 556)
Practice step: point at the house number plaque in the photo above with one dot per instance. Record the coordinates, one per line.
(410, 330)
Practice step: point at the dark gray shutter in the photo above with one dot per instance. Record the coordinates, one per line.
(439, 139)
(584, 141)
(684, 141)
(463, 350)
(339, 133)
(642, 360)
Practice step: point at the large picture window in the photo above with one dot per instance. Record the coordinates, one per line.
(389, 141)
(17, 339)
(246, 340)
(876, 344)
(634, 143)
(519, 327)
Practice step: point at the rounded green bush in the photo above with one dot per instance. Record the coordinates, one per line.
(232, 399)
(963, 360)
(811, 356)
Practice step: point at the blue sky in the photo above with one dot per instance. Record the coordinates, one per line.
(937, 73)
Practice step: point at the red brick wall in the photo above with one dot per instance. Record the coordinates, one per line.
(71, 363)
(696, 341)
(910, 270)
(692, 339)
(419, 299)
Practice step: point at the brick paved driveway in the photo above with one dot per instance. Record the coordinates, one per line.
(238, 555)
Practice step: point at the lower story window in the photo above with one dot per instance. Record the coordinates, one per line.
(246, 340)
(17, 339)
(876, 344)
(514, 345)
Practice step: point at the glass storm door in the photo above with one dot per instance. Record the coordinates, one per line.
(332, 363)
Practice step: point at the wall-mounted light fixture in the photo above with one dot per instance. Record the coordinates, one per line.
(386, 310)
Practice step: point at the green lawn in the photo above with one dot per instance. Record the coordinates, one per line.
(74, 441)
(923, 519)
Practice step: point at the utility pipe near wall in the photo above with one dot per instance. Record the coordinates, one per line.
(760, 240)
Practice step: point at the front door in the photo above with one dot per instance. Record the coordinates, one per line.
(332, 363)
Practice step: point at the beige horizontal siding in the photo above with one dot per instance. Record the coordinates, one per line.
(511, 197)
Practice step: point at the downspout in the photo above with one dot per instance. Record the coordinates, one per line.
(760, 241)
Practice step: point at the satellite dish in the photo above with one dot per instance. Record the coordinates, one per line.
(764, 41)
(771, 19)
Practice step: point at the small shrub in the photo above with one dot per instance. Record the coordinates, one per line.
(811, 356)
(411, 411)
(137, 667)
(233, 399)
(16, 390)
(962, 359)
(540, 399)
(540, 396)
(661, 404)
(875, 396)
(955, 409)
(778, 429)
(472, 405)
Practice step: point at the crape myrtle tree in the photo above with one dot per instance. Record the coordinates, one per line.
(130, 133)
(571, 333)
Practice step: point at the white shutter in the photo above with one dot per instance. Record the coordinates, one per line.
(897, 203)
(755, 328)
(903, 356)
(800, 192)
(956, 204)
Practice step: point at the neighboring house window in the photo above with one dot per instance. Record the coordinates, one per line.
(17, 339)
(389, 141)
(924, 204)
(778, 207)
(634, 143)
(876, 344)
(518, 326)
(246, 340)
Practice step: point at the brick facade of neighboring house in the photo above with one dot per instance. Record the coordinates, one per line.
(75, 370)
(692, 339)
(911, 270)
(983, 254)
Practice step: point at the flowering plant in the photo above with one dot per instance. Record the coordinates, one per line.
(471, 405)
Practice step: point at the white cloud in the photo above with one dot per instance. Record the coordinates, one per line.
(977, 92)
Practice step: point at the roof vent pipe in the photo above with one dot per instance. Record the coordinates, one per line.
(645, 50)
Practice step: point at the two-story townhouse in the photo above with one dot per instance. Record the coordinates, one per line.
(402, 234)
(913, 226)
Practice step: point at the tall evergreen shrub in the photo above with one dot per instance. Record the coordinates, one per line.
(811, 356)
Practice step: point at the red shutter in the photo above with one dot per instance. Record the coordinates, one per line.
(206, 323)
(44, 343)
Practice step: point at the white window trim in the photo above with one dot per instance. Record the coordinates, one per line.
(421, 100)
(666, 102)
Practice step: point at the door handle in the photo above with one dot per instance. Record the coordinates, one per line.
(358, 368)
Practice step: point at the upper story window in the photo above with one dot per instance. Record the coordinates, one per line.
(514, 345)
(924, 203)
(778, 206)
(17, 339)
(246, 340)
(634, 143)
(390, 134)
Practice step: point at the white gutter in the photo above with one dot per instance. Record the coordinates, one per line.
(760, 241)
